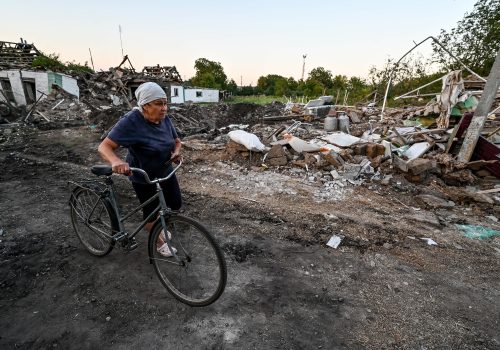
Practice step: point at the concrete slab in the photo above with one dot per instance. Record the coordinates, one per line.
(417, 150)
(341, 139)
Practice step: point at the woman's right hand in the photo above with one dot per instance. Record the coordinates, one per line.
(121, 167)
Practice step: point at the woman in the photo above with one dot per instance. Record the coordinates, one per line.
(151, 140)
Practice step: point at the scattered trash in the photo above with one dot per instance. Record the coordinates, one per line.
(334, 241)
(476, 231)
(300, 145)
(429, 241)
(417, 150)
(250, 141)
(341, 139)
(491, 217)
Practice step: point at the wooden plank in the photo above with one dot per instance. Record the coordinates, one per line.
(43, 115)
(461, 128)
(482, 110)
(493, 190)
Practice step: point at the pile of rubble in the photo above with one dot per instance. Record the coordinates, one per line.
(192, 119)
(339, 146)
(337, 158)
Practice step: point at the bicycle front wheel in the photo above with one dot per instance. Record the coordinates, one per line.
(93, 220)
(200, 277)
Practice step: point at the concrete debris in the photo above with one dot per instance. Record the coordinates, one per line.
(416, 150)
(431, 201)
(300, 145)
(334, 241)
(341, 139)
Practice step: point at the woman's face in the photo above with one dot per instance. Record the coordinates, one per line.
(156, 110)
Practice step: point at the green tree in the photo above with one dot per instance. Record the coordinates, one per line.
(321, 76)
(340, 82)
(312, 88)
(475, 39)
(358, 89)
(248, 91)
(412, 72)
(232, 87)
(273, 85)
(293, 86)
(209, 74)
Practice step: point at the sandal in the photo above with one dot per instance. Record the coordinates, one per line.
(165, 251)
(162, 236)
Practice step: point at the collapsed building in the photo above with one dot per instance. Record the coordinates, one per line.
(22, 87)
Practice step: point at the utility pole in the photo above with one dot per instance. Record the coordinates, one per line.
(241, 80)
(481, 113)
(91, 60)
(303, 66)
(121, 43)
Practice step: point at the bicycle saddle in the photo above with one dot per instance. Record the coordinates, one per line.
(101, 170)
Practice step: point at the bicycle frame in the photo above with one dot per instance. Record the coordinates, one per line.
(162, 210)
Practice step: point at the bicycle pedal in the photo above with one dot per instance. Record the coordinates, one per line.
(129, 244)
(130, 247)
(120, 237)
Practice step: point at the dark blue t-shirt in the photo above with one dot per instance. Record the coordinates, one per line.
(149, 145)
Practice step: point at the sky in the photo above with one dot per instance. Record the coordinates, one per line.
(249, 38)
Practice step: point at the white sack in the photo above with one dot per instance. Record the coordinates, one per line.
(250, 141)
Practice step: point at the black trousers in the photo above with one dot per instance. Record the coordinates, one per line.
(171, 191)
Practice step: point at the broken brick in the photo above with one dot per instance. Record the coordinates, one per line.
(276, 152)
(420, 165)
(333, 158)
(277, 161)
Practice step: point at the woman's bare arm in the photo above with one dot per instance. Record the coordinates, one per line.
(107, 151)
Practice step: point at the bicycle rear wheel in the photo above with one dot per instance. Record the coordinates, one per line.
(93, 220)
(200, 278)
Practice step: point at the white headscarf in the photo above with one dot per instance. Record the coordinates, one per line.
(148, 92)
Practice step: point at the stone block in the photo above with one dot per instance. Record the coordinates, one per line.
(276, 152)
(360, 149)
(234, 147)
(374, 149)
(333, 158)
(420, 165)
(277, 161)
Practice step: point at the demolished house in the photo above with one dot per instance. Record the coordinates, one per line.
(178, 92)
(454, 137)
(26, 94)
(19, 84)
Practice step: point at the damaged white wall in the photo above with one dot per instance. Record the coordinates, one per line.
(43, 83)
(201, 95)
(176, 93)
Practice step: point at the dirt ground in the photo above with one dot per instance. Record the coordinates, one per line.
(383, 288)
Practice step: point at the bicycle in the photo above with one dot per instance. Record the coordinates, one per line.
(196, 273)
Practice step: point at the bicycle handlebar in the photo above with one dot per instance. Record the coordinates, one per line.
(146, 177)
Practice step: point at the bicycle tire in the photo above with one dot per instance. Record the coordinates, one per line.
(202, 279)
(94, 232)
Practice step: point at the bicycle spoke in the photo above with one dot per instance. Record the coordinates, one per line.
(201, 279)
(92, 221)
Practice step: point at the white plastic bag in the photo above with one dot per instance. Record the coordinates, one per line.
(250, 141)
